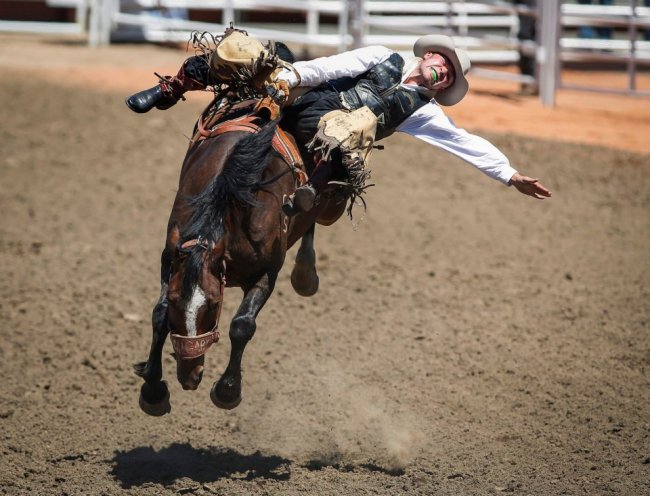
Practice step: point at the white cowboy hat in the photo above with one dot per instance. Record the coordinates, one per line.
(439, 43)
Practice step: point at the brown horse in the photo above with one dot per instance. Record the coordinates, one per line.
(227, 229)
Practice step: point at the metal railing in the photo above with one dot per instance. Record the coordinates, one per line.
(114, 16)
(115, 20)
(626, 19)
(487, 29)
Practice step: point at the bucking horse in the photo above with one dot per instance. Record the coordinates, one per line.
(227, 229)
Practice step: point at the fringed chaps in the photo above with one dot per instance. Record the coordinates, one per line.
(353, 133)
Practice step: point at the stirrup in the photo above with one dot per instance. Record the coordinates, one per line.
(289, 209)
(303, 200)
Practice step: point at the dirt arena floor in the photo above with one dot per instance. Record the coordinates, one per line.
(466, 340)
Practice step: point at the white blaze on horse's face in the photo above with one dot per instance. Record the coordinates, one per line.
(192, 309)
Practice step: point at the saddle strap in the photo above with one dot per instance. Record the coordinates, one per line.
(287, 149)
(281, 142)
(246, 123)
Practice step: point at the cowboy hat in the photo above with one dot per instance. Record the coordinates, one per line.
(444, 45)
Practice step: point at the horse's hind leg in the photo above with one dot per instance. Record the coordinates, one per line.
(226, 393)
(304, 277)
(154, 395)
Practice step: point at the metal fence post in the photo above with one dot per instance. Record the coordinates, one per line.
(548, 55)
(313, 19)
(632, 34)
(228, 13)
(94, 23)
(101, 22)
(356, 22)
(110, 7)
(344, 20)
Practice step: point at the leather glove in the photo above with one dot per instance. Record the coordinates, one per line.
(278, 91)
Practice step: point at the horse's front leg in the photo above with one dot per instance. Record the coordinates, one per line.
(226, 393)
(304, 277)
(154, 395)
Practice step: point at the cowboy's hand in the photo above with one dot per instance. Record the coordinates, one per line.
(289, 75)
(278, 91)
(262, 68)
(529, 186)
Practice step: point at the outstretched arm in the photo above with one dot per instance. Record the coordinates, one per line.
(429, 123)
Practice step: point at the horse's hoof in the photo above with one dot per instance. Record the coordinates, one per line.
(304, 279)
(222, 404)
(152, 407)
(155, 410)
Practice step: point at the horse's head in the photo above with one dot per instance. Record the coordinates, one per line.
(194, 296)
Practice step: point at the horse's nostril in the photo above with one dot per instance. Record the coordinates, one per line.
(197, 375)
(190, 379)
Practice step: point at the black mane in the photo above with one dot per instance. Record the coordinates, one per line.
(236, 183)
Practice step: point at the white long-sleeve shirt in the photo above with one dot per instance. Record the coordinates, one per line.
(428, 123)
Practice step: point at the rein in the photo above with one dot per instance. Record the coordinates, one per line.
(188, 347)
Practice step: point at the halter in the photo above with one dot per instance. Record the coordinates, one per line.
(188, 347)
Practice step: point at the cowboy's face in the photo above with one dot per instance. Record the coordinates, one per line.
(437, 71)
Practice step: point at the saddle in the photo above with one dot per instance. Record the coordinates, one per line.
(224, 116)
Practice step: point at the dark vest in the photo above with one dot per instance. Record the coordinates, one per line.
(380, 90)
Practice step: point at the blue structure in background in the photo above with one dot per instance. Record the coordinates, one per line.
(591, 32)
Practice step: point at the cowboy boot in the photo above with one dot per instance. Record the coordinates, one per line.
(165, 94)
(304, 199)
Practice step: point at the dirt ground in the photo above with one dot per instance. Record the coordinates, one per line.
(466, 340)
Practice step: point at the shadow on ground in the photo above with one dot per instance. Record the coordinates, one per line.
(144, 465)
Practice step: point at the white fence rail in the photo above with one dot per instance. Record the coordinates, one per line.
(130, 20)
(132, 14)
(487, 29)
(632, 49)
(78, 26)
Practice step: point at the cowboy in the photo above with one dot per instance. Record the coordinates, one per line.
(380, 93)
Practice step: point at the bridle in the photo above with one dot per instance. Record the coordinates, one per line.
(188, 347)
